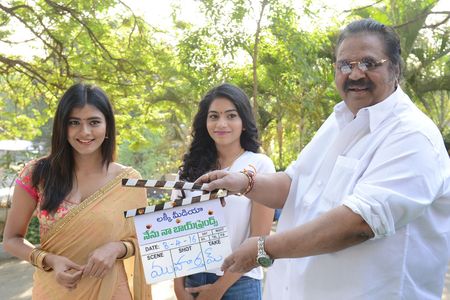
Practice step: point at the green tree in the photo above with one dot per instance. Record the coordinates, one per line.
(101, 42)
(424, 33)
(155, 85)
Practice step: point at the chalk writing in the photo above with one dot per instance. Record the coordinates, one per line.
(211, 258)
(158, 271)
(190, 263)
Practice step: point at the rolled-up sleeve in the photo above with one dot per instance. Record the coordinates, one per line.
(401, 181)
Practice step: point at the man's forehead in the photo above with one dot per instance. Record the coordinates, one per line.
(369, 43)
(361, 36)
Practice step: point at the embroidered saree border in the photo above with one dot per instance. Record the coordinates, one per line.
(58, 225)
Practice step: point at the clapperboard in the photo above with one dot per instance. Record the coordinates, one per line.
(180, 237)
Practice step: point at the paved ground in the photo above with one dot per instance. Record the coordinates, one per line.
(16, 281)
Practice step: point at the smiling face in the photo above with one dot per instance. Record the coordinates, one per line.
(86, 130)
(361, 89)
(224, 123)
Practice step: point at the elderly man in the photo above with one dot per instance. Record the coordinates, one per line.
(366, 206)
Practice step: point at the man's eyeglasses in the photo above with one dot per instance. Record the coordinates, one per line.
(366, 64)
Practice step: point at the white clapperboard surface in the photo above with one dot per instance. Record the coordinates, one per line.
(182, 237)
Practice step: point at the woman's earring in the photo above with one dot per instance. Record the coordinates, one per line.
(106, 137)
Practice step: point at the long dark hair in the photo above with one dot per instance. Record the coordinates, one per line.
(54, 173)
(202, 154)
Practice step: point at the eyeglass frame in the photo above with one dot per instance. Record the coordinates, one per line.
(361, 65)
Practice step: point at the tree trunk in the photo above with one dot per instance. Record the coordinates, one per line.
(255, 62)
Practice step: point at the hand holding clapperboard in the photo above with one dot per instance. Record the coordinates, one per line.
(180, 237)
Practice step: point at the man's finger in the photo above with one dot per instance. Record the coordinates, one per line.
(197, 289)
(227, 263)
(193, 289)
(234, 268)
(215, 175)
(202, 179)
(216, 184)
(211, 176)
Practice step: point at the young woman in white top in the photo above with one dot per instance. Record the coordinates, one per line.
(225, 136)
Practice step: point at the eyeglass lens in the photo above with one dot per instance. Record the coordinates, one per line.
(364, 65)
(348, 67)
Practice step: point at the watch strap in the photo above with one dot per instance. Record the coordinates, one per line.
(262, 258)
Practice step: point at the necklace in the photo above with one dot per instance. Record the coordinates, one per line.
(235, 158)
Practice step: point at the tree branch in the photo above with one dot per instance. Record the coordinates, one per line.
(264, 3)
(362, 7)
(57, 50)
(433, 84)
(134, 22)
(74, 15)
(436, 25)
(20, 66)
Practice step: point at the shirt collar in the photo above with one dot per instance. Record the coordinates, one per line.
(377, 113)
(343, 114)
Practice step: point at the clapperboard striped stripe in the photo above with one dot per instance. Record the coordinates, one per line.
(146, 183)
(179, 202)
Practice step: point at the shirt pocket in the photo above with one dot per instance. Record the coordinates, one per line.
(341, 181)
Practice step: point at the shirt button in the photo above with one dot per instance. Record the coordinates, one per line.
(319, 183)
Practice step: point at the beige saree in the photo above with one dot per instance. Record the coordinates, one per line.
(96, 221)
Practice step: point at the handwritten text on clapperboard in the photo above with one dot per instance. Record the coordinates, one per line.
(182, 240)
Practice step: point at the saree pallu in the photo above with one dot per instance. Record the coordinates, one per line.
(96, 221)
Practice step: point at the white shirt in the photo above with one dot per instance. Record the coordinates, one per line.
(238, 208)
(390, 166)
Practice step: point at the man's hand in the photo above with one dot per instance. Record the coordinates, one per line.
(102, 259)
(206, 292)
(243, 259)
(234, 182)
(67, 273)
(180, 291)
(184, 295)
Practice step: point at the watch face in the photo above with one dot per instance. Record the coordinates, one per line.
(265, 261)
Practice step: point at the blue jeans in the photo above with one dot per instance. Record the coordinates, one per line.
(246, 288)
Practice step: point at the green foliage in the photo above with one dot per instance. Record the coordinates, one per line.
(156, 83)
(151, 156)
(158, 200)
(425, 49)
(33, 231)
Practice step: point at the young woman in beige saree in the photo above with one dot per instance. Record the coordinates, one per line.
(88, 248)
(96, 221)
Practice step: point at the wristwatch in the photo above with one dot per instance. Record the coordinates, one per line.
(262, 258)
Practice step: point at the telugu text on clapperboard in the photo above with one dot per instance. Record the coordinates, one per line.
(182, 240)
